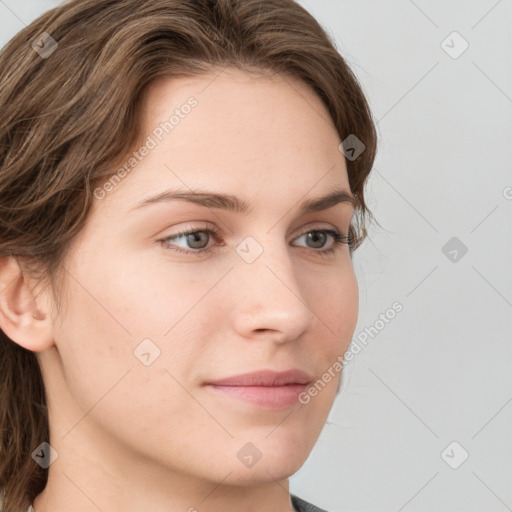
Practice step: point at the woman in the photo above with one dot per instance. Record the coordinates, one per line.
(181, 191)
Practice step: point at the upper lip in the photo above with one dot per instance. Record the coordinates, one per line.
(265, 378)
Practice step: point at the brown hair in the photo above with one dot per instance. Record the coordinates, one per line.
(67, 116)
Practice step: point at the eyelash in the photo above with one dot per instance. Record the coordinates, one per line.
(339, 239)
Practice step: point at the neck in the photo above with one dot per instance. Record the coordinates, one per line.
(85, 480)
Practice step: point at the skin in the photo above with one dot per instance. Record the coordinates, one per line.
(136, 437)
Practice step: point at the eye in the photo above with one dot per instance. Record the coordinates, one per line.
(318, 237)
(197, 240)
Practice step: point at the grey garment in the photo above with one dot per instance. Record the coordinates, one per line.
(304, 506)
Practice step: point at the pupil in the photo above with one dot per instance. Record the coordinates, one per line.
(196, 238)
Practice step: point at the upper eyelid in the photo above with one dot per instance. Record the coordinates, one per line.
(215, 232)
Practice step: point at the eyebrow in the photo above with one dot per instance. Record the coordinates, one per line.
(232, 203)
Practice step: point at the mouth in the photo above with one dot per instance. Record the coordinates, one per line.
(267, 388)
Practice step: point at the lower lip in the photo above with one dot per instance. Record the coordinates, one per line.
(269, 397)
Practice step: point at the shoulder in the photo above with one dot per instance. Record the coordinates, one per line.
(304, 506)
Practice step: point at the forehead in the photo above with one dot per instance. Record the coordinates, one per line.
(241, 105)
(236, 133)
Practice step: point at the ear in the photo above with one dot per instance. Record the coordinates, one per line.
(24, 318)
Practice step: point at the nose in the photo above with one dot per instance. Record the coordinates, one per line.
(270, 298)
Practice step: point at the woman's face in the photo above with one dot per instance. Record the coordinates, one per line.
(146, 325)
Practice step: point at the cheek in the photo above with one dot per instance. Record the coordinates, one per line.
(93, 343)
(103, 377)
(114, 308)
(336, 303)
(156, 299)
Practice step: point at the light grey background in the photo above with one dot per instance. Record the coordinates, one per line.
(439, 372)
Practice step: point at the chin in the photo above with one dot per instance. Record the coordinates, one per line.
(264, 472)
(262, 460)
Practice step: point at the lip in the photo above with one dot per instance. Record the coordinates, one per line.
(265, 378)
(266, 388)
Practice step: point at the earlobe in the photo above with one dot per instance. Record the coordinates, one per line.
(24, 318)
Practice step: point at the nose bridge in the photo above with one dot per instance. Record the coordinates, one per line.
(272, 298)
